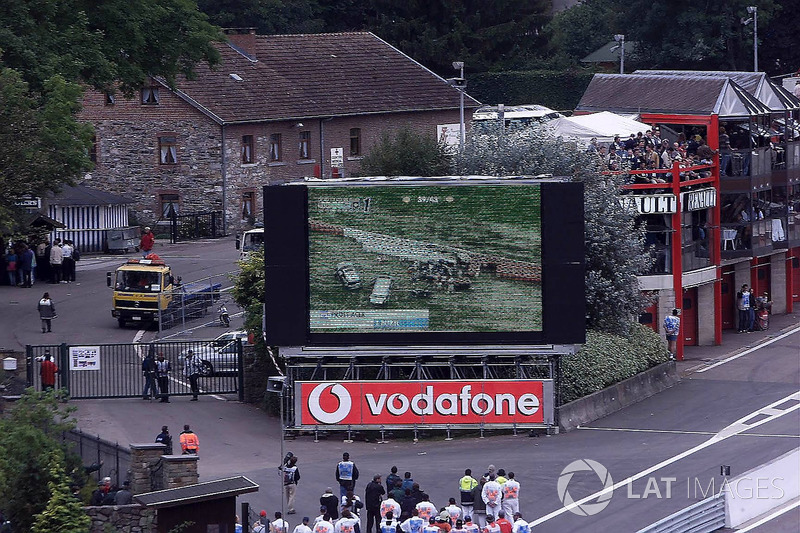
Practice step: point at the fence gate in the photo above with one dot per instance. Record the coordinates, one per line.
(115, 370)
(207, 225)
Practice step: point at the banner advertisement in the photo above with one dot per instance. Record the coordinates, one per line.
(424, 403)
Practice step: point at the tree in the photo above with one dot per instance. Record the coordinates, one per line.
(615, 251)
(63, 512)
(406, 154)
(29, 438)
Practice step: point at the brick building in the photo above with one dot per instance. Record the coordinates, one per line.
(274, 109)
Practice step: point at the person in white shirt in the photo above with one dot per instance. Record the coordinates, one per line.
(324, 525)
(431, 527)
(454, 511)
(414, 524)
(458, 527)
(520, 525)
(491, 525)
(469, 527)
(511, 495)
(389, 524)
(279, 525)
(388, 505)
(426, 510)
(492, 495)
(303, 527)
(347, 523)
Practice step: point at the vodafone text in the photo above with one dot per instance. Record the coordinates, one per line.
(463, 403)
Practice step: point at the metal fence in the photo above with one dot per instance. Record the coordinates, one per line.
(703, 517)
(194, 300)
(108, 459)
(208, 225)
(115, 370)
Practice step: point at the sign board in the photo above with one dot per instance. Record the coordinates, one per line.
(337, 157)
(448, 134)
(31, 203)
(650, 204)
(424, 403)
(699, 199)
(84, 358)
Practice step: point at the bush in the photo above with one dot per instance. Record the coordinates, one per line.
(606, 359)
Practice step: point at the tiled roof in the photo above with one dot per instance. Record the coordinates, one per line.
(316, 75)
(209, 490)
(749, 81)
(83, 195)
(642, 93)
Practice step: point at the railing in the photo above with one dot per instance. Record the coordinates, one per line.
(702, 517)
(157, 476)
(108, 459)
(208, 225)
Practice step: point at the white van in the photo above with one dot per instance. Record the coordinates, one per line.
(249, 241)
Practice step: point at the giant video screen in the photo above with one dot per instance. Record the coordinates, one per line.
(429, 258)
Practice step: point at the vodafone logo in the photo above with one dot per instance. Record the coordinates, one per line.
(319, 412)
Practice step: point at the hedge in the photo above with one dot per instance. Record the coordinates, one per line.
(606, 359)
(556, 89)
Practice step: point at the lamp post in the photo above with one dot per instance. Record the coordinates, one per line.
(621, 40)
(753, 10)
(278, 384)
(461, 84)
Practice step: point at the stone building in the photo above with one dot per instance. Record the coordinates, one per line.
(277, 107)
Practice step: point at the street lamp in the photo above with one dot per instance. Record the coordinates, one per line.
(621, 40)
(753, 10)
(461, 85)
(279, 384)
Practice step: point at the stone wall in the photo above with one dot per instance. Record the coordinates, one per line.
(179, 470)
(128, 159)
(122, 519)
(143, 458)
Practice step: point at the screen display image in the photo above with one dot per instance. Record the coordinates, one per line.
(426, 258)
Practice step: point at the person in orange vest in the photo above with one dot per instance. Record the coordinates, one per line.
(190, 444)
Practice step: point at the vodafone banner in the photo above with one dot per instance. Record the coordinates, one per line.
(406, 403)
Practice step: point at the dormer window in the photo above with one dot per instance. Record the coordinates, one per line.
(150, 95)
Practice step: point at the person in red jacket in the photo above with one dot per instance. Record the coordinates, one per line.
(48, 372)
(147, 242)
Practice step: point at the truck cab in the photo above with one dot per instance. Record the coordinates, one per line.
(250, 241)
(142, 288)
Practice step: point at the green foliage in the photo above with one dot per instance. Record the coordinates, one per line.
(560, 90)
(30, 439)
(607, 358)
(63, 512)
(615, 252)
(406, 154)
(182, 527)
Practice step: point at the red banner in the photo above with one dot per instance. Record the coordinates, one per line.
(456, 402)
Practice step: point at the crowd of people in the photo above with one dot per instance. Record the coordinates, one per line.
(46, 262)
(488, 504)
(651, 151)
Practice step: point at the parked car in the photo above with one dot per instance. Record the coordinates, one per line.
(218, 354)
(381, 290)
(348, 276)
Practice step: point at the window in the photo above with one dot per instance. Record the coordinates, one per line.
(247, 149)
(248, 204)
(169, 204)
(275, 147)
(93, 150)
(110, 98)
(168, 150)
(355, 141)
(150, 95)
(305, 142)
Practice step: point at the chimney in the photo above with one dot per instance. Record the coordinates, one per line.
(243, 41)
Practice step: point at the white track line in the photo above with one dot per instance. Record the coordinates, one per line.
(681, 432)
(772, 516)
(751, 350)
(769, 412)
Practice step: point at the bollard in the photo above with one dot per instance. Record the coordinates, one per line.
(316, 434)
(515, 429)
(416, 433)
(349, 436)
(383, 435)
(448, 433)
(481, 431)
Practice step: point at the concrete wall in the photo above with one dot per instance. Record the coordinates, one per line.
(705, 313)
(762, 489)
(612, 399)
(777, 290)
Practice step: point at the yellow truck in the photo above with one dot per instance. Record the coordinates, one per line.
(145, 291)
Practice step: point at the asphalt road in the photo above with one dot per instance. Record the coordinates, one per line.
(675, 429)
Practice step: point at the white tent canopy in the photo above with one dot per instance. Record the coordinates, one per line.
(603, 126)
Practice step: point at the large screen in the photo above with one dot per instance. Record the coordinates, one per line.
(424, 263)
(425, 258)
